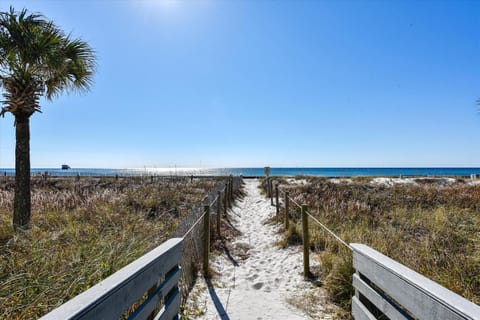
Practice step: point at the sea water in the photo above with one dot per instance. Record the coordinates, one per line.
(322, 172)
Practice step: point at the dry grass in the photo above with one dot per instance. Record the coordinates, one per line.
(82, 232)
(431, 228)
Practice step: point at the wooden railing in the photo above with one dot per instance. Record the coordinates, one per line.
(154, 275)
(147, 288)
(385, 287)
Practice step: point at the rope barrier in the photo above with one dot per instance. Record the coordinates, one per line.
(295, 203)
(196, 222)
(214, 200)
(321, 224)
(201, 217)
(330, 231)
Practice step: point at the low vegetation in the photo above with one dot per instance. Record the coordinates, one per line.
(433, 228)
(81, 232)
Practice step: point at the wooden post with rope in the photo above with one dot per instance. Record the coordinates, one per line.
(306, 243)
(225, 204)
(277, 207)
(270, 186)
(206, 239)
(227, 197)
(219, 203)
(287, 207)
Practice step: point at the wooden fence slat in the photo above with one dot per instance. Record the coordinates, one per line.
(359, 312)
(287, 208)
(277, 205)
(170, 309)
(206, 239)
(152, 302)
(374, 297)
(306, 243)
(110, 298)
(219, 202)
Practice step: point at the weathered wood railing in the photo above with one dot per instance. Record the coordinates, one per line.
(147, 288)
(384, 286)
(154, 275)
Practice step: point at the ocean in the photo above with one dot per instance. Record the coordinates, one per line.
(321, 172)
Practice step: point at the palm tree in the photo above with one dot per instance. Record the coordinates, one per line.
(37, 59)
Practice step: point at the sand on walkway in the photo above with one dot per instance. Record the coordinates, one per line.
(266, 282)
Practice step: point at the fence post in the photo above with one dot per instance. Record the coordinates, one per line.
(231, 192)
(225, 201)
(227, 193)
(287, 205)
(219, 203)
(206, 239)
(271, 192)
(306, 243)
(268, 187)
(277, 207)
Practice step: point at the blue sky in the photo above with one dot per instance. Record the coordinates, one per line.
(254, 83)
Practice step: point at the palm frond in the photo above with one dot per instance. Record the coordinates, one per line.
(37, 58)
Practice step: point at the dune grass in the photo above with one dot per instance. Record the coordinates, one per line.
(433, 229)
(81, 232)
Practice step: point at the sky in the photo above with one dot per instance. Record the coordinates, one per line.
(256, 83)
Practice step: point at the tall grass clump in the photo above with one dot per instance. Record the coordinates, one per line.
(433, 229)
(82, 232)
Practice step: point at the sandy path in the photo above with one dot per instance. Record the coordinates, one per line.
(261, 285)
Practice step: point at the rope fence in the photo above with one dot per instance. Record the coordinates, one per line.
(330, 231)
(194, 225)
(195, 230)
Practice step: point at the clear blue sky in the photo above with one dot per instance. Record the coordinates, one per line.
(254, 83)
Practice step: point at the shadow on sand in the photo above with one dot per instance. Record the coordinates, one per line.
(216, 301)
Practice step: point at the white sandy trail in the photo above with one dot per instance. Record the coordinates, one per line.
(260, 286)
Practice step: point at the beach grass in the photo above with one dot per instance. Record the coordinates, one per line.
(430, 227)
(82, 232)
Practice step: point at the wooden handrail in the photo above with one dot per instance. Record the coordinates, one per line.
(112, 297)
(401, 293)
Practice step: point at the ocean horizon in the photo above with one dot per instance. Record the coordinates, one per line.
(258, 171)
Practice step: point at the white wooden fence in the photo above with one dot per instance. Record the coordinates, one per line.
(153, 276)
(386, 289)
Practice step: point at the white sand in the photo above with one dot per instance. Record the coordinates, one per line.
(340, 180)
(296, 181)
(267, 283)
(392, 181)
(414, 181)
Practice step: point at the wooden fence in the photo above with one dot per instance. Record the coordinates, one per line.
(384, 288)
(154, 275)
(147, 288)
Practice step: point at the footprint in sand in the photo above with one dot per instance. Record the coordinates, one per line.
(253, 277)
(258, 286)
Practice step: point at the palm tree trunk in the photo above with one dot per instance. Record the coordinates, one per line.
(22, 204)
